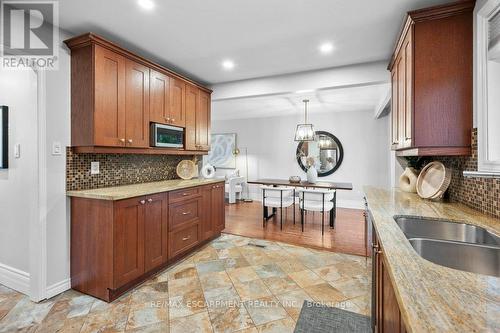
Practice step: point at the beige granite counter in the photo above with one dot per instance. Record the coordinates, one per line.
(434, 298)
(136, 190)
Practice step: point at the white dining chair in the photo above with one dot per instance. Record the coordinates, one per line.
(316, 200)
(277, 197)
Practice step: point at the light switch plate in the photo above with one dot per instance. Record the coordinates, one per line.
(56, 148)
(94, 168)
(17, 150)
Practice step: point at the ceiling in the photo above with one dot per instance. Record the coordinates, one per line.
(365, 98)
(262, 37)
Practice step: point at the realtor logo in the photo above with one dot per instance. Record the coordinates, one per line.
(30, 37)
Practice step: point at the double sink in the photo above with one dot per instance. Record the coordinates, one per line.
(456, 245)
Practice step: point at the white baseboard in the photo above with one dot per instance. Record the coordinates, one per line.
(58, 288)
(15, 279)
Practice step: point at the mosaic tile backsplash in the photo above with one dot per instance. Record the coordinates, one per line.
(482, 194)
(118, 169)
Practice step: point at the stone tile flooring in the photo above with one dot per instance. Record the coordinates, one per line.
(234, 284)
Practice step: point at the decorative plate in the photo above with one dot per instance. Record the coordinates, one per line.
(186, 169)
(208, 171)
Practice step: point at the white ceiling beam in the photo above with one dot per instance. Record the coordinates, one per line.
(338, 77)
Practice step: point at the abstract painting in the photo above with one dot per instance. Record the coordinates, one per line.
(221, 154)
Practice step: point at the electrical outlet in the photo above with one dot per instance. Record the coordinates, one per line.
(94, 168)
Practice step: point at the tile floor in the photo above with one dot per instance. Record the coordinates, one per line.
(234, 284)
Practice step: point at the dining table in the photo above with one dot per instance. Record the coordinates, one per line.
(305, 184)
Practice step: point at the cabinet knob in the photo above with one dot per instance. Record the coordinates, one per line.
(150, 200)
(142, 202)
(129, 140)
(186, 213)
(186, 238)
(184, 194)
(122, 140)
(173, 119)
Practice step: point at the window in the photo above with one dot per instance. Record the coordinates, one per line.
(488, 85)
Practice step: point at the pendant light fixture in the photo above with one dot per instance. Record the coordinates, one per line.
(305, 131)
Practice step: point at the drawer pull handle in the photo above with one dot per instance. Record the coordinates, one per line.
(150, 200)
(186, 238)
(186, 213)
(185, 194)
(142, 202)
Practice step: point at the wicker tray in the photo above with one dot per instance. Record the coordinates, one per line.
(433, 181)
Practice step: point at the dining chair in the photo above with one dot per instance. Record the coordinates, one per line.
(316, 200)
(277, 197)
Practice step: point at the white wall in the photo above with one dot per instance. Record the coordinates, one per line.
(58, 110)
(271, 149)
(18, 90)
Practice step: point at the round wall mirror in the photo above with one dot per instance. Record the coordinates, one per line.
(325, 152)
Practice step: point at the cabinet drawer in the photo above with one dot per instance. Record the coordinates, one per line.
(187, 193)
(182, 240)
(184, 212)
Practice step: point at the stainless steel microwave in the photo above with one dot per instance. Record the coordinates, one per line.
(166, 136)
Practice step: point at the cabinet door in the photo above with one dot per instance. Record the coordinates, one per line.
(192, 114)
(177, 102)
(401, 69)
(394, 109)
(206, 219)
(109, 109)
(203, 121)
(128, 241)
(408, 55)
(388, 316)
(159, 101)
(137, 105)
(217, 206)
(156, 231)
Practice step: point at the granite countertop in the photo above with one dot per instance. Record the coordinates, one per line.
(136, 190)
(434, 298)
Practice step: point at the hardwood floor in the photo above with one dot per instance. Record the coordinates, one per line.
(245, 219)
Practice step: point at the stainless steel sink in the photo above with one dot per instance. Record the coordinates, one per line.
(456, 245)
(481, 259)
(418, 227)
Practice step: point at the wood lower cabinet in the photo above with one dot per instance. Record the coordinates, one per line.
(128, 241)
(431, 76)
(116, 245)
(156, 231)
(115, 94)
(387, 314)
(217, 206)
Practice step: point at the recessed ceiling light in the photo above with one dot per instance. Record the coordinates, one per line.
(326, 48)
(228, 64)
(146, 4)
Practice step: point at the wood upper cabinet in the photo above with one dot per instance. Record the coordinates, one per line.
(156, 231)
(128, 241)
(109, 116)
(115, 94)
(177, 102)
(203, 121)
(136, 105)
(197, 119)
(159, 103)
(431, 77)
(192, 109)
